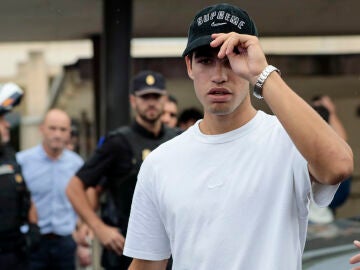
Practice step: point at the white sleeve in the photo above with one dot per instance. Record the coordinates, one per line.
(321, 194)
(146, 236)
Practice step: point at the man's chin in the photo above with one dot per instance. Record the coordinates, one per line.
(4, 138)
(5, 141)
(151, 119)
(220, 112)
(57, 148)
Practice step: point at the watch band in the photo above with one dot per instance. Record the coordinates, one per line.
(258, 87)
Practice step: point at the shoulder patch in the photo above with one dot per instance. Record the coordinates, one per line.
(18, 178)
(6, 169)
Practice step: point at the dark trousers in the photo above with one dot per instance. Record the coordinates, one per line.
(111, 261)
(13, 261)
(54, 253)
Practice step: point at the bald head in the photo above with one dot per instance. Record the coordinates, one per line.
(55, 129)
(55, 115)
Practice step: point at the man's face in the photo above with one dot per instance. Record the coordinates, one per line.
(218, 88)
(56, 131)
(169, 116)
(148, 107)
(4, 130)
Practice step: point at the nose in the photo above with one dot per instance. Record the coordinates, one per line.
(219, 75)
(165, 118)
(151, 102)
(57, 133)
(165, 122)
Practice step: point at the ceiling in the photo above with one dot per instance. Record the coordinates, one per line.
(45, 20)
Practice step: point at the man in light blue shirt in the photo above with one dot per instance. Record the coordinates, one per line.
(47, 169)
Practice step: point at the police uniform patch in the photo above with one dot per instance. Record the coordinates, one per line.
(18, 178)
(145, 152)
(6, 169)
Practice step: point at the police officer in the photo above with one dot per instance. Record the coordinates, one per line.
(118, 160)
(14, 195)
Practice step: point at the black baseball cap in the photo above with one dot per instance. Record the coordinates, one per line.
(148, 82)
(220, 18)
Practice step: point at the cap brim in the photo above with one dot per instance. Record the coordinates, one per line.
(199, 42)
(149, 91)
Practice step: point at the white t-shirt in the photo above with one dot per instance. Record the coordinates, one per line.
(234, 201)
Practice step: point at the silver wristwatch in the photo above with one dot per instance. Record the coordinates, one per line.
(258, 87)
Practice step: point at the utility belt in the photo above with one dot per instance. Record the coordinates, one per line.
(111, 215)
(54, 236)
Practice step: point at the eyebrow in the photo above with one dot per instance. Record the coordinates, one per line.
(205, 51)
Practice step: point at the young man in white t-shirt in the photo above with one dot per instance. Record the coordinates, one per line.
(232, 191)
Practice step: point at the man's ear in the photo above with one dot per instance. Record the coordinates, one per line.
(41, 128)
(188, 62)
(132, 101)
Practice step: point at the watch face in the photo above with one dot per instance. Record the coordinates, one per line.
(260, 81)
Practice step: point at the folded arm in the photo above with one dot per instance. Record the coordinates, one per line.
(110, 237)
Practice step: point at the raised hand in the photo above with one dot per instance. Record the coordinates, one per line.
(356, 258)
(244, 52)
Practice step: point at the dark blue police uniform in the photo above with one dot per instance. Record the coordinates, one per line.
(14, 207)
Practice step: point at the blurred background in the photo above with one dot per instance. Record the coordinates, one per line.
(62, 55)
(80, 56)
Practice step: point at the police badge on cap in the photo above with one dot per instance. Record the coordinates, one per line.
(148, 82)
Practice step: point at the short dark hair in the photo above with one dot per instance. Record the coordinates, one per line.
(173, 99)
(190, 114)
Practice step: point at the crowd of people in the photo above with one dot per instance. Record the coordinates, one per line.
(162, 184)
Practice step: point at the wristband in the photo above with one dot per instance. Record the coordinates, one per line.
(258, 87)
